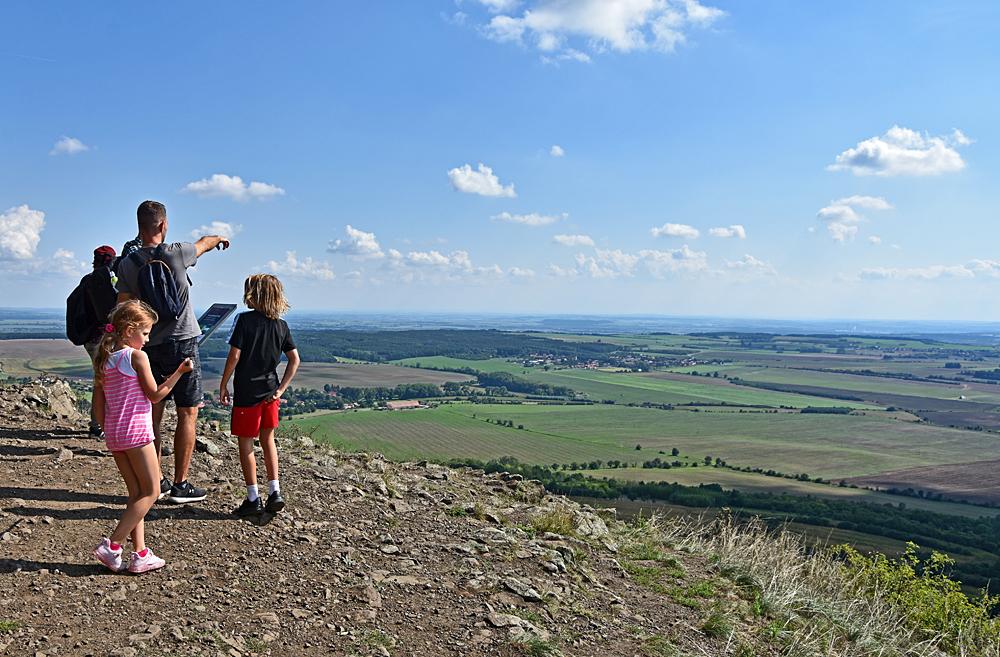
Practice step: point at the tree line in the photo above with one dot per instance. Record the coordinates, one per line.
(950, 533)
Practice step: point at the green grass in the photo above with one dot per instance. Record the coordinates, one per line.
(638, 388)
(361, 375)
(634, 387)
(861, 383)
(829, 446)
(447, 362)
(752, 482)
(8, 626)
(33, 357)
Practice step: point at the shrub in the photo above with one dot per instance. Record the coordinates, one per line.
(931, 601)
(555, 521)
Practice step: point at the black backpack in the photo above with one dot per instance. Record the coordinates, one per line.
(157, 286)
(89, 305)
(80, 323)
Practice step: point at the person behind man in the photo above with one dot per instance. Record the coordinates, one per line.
(100, 297)
(172, 340)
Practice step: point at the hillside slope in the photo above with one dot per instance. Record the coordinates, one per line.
(369, 558)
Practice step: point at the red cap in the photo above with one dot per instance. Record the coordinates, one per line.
(103, 255)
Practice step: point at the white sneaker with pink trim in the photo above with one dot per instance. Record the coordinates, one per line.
(112, 559)
(145, 563)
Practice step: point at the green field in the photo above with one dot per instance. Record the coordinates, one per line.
(752, 482)
(21, 358)
(648, 387)
(829, 446)
(360, 375)
(636, 388)
(449, 363)
(861, 383)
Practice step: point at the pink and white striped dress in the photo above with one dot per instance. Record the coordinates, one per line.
(128, 413)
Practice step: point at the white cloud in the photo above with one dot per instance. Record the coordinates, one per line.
(987, 268)
(683, 260)
(456, 266)
(233, 187)
(959, 138)
(563, 272)
(903, 152)
(573, 240)
(875, 239)
(518, 272)
(359, 245)
(608, 263)
(532, 219)
(555, 27)
(497, 6)
(220, 228)
(675, 230)
(304, 268)
(20, 231)
(65, 262)
(567, 55)
(978, 268)
(751, 265)
(842, 219)
(736, 230)
(68, 146)
(556, 151)
(930, 273)
(481, 181)
(866, 202)
(435, 258)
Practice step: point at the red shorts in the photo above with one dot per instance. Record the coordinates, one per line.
(248, 421)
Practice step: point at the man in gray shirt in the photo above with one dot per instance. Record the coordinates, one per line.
(172, 339)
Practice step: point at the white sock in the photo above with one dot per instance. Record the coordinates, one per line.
(252, 493)
(273, 487)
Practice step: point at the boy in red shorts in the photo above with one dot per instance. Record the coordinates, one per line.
(255, 347)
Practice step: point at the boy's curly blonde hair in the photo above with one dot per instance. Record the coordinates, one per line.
(265, 294)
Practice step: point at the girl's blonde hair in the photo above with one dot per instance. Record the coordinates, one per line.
(265, 294)
(123, 317)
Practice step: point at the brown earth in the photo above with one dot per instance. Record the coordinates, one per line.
(369, 558)
(976, 481)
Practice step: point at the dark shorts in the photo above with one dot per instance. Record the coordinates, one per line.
(164, 359)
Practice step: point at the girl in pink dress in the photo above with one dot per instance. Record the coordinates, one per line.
(124, 394)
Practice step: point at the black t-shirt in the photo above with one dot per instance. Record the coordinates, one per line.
(261, 342)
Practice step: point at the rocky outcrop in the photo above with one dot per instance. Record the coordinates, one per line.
(44, 399)
(370, 557)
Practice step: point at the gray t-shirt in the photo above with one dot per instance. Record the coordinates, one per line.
(178, 256)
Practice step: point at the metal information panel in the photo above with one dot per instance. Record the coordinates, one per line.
(213, 319)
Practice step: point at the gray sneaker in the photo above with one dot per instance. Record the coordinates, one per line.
(165, 486)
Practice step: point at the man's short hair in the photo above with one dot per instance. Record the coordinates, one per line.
(150, 214)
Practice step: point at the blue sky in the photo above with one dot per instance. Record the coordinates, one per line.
(834, 160)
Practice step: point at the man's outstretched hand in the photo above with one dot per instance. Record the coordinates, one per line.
(210, 242)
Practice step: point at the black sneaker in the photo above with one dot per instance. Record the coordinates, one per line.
(275, 502)
(183, 493)
(165, 486)
(249, 508)
(96, 433)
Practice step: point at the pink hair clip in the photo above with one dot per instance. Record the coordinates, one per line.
(109, 328)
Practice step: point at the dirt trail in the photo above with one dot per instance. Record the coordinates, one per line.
(369, 558)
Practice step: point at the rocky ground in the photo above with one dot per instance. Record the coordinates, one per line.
(369, 558)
